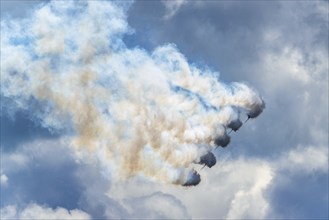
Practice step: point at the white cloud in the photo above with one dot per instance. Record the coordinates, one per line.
(14, 161)
(3, 180)
(250, 203)
(172, 7)
(286, 64)
(296, 50)
(54, 152)
(305, 159)
(35, 211)
(234, 188)
(158, 205)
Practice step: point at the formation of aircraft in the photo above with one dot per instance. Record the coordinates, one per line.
(209, 158)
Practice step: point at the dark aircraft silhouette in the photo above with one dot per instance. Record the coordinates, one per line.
(222, 141)
(193, 179)
(208, 160)
(235, 124)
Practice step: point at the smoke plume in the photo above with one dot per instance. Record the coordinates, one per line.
(136, 112)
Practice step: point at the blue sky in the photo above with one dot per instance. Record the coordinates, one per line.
(58, 160)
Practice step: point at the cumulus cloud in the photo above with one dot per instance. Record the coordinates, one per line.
(236, 191)
(251, 203)
(144, 113)
(35, 211)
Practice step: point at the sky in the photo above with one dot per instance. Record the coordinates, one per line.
(107, 106)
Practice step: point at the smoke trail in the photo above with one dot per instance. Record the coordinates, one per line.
(138, 112)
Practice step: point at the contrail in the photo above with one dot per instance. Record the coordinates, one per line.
(136, 112)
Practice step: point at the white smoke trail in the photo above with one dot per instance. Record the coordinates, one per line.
(138, 112)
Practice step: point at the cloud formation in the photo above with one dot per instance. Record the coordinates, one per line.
(35, 211)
